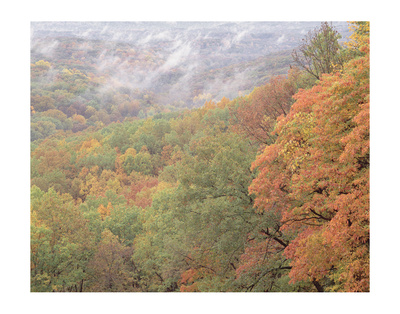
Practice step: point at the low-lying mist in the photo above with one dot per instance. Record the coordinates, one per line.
(177, 61)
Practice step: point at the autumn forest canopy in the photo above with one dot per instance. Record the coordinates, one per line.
(200, 157)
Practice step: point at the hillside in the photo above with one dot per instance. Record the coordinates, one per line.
(241, 172)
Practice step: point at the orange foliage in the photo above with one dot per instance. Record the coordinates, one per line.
(140, 190)
(257, 113)
(51, 156)
(209, 105)
(104, 211)
(224, 102)
(317, 175)
(188, 283)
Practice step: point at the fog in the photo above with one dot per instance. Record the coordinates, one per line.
(170, 58)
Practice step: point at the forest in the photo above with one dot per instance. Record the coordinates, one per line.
(247, 176)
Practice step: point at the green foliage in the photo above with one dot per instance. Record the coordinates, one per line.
(203, 223)
(143, 163)
(61, 243)
(320, 51)
(124, 222)
(42, 129)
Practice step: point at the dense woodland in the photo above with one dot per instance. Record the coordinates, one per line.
(264, 192)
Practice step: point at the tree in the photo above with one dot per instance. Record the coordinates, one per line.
(120, 137)
(104, 211)
(110, 267)
(56, 114)
(359, 38)
(316, 175)
(90, 111)
(200, 227)
(61, 243)
(255, 115)
(42, 129)
(139, 191)
(320, 51)
(42, 103)
(142, 162)
(51, 155)
(124, 222)
(129, 108)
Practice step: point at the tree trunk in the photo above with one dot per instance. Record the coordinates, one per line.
(318, 286)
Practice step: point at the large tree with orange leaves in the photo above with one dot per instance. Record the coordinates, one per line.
(316, 175)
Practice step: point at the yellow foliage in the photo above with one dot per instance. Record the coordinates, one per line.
(223, 103)
(114, 185)
(104, 211)
(89, 146)
(79, 118)
(291, 150)
(209, 105)
(43, 64)
(66, 72)
(164, 185)
(129, 152)
(360, 35)
(108, 237)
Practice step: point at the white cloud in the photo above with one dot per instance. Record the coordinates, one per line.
(177, 57)
(281, 39)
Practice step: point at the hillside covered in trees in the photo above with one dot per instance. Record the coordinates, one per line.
(234, 168)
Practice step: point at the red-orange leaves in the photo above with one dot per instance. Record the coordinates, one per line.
(311, 256)
(257, 113)
(317, 175)
(271, 185)
(188, 283)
